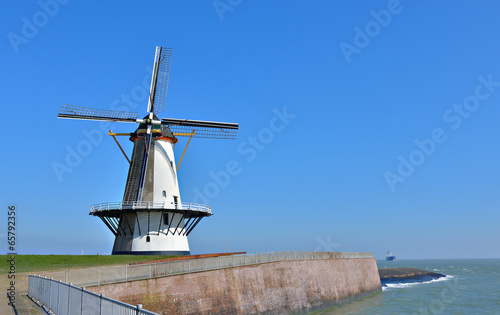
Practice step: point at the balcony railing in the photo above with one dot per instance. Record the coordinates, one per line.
(157, 205)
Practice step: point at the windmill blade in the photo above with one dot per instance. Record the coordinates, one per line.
(144, 167)
(202, 129)
(79, 112)
(159, 81)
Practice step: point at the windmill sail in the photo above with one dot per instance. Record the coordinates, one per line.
(202, 129)
(142, 180)
(159, 81)
(80, 112)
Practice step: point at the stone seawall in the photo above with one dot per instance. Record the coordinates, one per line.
(272, 288)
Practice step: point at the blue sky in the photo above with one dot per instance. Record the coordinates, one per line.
(364, 126)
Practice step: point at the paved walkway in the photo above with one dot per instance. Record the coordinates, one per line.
(24, 305)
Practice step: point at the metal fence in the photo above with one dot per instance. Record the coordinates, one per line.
(63, 298)
(123, 273)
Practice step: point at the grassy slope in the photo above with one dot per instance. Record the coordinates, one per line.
(31, 263)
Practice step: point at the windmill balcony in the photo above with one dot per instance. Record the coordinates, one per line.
(148, 206)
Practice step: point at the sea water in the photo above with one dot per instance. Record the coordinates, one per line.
(471, 286)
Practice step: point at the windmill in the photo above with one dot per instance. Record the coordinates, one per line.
(152, 219)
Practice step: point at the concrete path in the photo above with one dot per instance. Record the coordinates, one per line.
(24, 305)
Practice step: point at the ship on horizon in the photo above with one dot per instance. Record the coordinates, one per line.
(390, 256)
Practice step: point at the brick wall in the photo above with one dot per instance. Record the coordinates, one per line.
(271, 288)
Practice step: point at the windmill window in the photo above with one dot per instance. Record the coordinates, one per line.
(165, 218)
(148, 239)
(164, 193)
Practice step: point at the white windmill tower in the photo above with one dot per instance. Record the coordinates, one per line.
(152, 219)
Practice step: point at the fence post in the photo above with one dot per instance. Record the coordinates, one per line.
(82, 300)
(38, 288)
(50, 292)
(98, 275)
(100, 304)
(150, 271)
(58, 295)
(39, 291)
(126, 271)
(189, 266)
(138, 309)
(69, 298)
(67, 276)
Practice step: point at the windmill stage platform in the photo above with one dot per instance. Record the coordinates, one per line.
(110, 214)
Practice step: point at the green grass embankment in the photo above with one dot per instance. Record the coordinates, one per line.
(33, 263)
